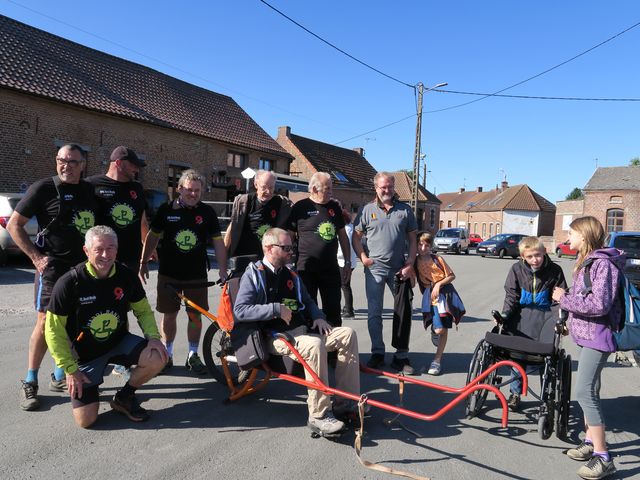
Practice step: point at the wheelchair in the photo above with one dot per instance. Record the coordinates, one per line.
(539, 347)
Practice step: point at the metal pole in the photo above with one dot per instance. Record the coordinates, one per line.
(416, 157)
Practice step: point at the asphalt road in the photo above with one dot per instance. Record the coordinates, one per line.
(193, 434)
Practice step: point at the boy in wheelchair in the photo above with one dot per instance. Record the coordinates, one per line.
(273, 299)
(527, 302)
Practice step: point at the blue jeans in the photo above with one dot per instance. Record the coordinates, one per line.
(374, 285)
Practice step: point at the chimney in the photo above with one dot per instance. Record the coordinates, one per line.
(284, 132)
(504, 185)
(479, 189)
(359, 151)
(461, 190)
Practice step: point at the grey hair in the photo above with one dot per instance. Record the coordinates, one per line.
(260, 173)
(272, 237)
(380, 175)
(99, 231)
(314, 182)
(191, 175)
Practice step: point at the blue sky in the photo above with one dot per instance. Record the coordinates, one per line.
(281, 75)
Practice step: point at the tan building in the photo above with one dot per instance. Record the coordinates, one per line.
(516, 209)
(428, 214)
(54, 91)
(351, 173)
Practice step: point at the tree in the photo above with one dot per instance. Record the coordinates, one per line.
(634, 162)
(576, 194)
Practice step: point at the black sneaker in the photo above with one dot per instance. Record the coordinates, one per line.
(402, 365)
(596, 468)
(57, 385)
(168, 366)
(130, 407)
(348, 314)
(376, 360)
(195, 365)
(29, 396)
(514, 402)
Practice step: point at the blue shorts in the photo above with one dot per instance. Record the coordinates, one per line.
(437, 321)
(126, 353)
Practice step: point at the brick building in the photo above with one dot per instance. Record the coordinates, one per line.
(428, 214)
(516, 209)
(566, 212)
(351, 173)
(54, 91)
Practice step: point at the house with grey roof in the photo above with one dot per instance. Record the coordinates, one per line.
(54, 91)
(428, 212)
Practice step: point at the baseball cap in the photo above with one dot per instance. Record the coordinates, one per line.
(124, 153)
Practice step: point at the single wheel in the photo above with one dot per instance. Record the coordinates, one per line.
(558, 253)
(564, 397)
(545, 426)
(502, 253)
(466, 251)
(514, 256)
(3, 257)
(481, 360)
(458, 250)
(482, 255)
(217, 344)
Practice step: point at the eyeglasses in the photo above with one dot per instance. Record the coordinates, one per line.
(286, 248)
(64, 161)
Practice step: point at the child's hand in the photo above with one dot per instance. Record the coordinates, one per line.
(435, 293)
(558, 293)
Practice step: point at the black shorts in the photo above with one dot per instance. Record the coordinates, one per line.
(126, 353)
(43, 283)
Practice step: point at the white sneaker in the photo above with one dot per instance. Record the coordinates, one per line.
(434, 369)
(327, 425)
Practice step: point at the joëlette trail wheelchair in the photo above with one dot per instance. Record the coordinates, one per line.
(537, 346)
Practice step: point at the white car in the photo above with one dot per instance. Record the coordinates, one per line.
(8, 202)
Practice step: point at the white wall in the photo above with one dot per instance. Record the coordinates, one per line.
(519, 221)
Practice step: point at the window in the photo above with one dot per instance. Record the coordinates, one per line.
(615, 220)
(491, 229)
(448, 223)
(340, 177)
(475, 227)
(236, 160)
(265, 164)
(175, 171)
(441, 224)
(615, 199)
(432, 217)
(484, 230)
(497, 228)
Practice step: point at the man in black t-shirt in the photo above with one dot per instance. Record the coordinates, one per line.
(183, 227)
(319, 226)
(65, 208)
(253, 214)
(122, 204)
(87, 329)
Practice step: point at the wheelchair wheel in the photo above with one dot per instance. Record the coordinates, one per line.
(545, 425)
(482, 359)
(564, 396)
(216, 344)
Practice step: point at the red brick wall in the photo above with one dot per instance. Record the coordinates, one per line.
(572, 208)
(30, 126)
(597, 203)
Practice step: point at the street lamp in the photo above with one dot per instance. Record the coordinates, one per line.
(417, 155)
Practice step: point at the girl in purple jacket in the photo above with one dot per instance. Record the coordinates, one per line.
(592, 318)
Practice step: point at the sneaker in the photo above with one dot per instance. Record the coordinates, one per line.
(582, 452)
(119, 370)
(596, 468)
(195, 365)
(435, 339)
(376, 360)
(348, 314)
(402, 365)
(130, 407)
(57, 385)
(434, 369)
(327, 425)
(514, 402)
(29, 396)
(168, 366)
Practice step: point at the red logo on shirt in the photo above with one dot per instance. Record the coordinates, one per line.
(290, 284)
(331, 212)
(273, 214)
(198, 219)
(118, 293)
(133, 194)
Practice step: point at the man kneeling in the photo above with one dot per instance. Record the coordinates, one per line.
(274, 298)
(87, 328)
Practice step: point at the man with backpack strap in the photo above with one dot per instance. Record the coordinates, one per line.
(65, 208)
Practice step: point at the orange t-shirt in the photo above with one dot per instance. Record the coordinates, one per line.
(430, 272)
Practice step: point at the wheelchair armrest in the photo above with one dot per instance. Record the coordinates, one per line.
(283, 335)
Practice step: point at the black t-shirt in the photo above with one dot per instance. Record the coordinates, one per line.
(185, 234)
(96, 309)
(121, 205)
(78, 212)
(317, 227)
(260, 218)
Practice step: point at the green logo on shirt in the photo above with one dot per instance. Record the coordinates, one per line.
(186, 240)
(83, 220)
(262, 230)
(122, 215)
(103, 325)
(327, 231)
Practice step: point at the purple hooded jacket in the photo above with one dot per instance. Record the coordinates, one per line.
(592, 317)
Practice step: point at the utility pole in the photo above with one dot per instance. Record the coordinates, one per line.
(416, 156)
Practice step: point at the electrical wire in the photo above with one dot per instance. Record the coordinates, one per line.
(376, 129)
(335, 47)
(533, 97)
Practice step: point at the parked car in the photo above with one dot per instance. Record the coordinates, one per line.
(565, 250)
(501, 245)
(8, 202)
(453, 240)
(474, 239)
(629, 243)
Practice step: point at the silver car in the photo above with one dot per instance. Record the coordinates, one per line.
(8, 202)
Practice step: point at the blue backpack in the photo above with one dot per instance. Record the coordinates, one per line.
(627, 336)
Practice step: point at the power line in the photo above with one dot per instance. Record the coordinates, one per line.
(335, 47)
(539, 74)
(376, 129)
(534, 97)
